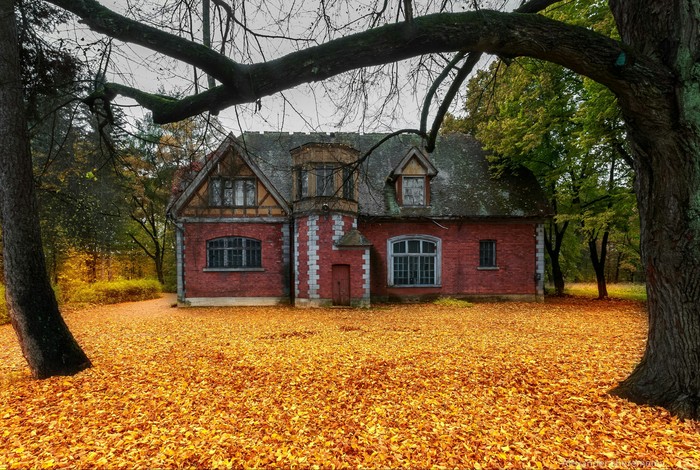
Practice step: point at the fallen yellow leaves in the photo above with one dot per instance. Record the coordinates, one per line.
(493, 386)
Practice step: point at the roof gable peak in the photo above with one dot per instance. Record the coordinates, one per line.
(414, 153)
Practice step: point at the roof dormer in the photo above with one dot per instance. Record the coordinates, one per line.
(412, 179)
(325, 177)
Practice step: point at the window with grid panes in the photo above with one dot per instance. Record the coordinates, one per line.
(228, 192)
(324, 180)
(414, 262)
(487, 253)
(234, 252)
(413, 191)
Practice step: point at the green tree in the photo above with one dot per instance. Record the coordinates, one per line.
(151, 160)
(568, 131)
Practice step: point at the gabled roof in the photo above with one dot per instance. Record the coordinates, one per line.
(462, 186)
(414, 152)
(212, 160)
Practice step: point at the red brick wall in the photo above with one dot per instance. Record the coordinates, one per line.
(272, 282)
(328, 256)
(515, 257)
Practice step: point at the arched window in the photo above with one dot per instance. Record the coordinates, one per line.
(234, 252)
(414, 260)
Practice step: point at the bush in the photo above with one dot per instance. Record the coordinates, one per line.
(116, 291)
(452, 302)
(4, 316)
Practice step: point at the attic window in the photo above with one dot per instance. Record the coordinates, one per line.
(227, 192)
(413, 190)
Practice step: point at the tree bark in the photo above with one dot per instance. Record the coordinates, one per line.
(664, 131)
(46, 342)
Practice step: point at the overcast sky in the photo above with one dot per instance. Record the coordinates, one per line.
(306, 108)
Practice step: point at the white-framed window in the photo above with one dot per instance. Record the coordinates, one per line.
(413, 190)
(232, 192)
(234, 253)
(414, 260)
(487, 254)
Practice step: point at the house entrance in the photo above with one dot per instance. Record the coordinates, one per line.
(341, 284)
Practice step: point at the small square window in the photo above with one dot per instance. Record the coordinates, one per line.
(487, 253)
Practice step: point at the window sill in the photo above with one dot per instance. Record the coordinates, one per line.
(487, 268)
(404, 286)
(218, 270)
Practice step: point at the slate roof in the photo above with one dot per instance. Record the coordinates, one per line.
(463, 187)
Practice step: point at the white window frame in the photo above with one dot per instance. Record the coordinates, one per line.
(407, 191)
(417, 237)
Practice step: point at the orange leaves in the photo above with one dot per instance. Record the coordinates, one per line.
(419, 386)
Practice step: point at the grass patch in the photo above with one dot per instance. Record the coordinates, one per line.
(116, 292)
(452, 302)
(626, 291)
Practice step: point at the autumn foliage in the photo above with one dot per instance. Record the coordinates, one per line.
(506, 385)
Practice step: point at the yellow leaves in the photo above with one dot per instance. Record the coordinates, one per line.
(493, 386)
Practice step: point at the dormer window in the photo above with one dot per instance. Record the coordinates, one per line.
(412, 178)
(413, 190)
(232, 192)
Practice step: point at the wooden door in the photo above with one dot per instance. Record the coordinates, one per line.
(341, 284)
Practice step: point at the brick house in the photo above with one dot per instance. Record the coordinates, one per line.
(277, 218)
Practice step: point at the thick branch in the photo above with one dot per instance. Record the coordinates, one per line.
(112, 24)
(510, 34)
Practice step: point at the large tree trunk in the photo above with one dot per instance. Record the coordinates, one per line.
(664, 130)
(46, 342)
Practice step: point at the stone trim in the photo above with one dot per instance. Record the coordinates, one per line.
(312, 227)
(539, 261)
(232, 301)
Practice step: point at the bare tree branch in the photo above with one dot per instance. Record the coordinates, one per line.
(511, 34)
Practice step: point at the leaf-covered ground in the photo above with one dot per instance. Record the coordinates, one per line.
(497, 385)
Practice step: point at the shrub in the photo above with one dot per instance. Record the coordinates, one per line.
(452, 302)
(4, 315)
(116, 291)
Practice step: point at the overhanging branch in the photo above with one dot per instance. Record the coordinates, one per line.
(509, 34)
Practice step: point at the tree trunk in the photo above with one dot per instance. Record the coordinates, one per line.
(664, 131)
(553, 248)
(46, 342)
(598, 263)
